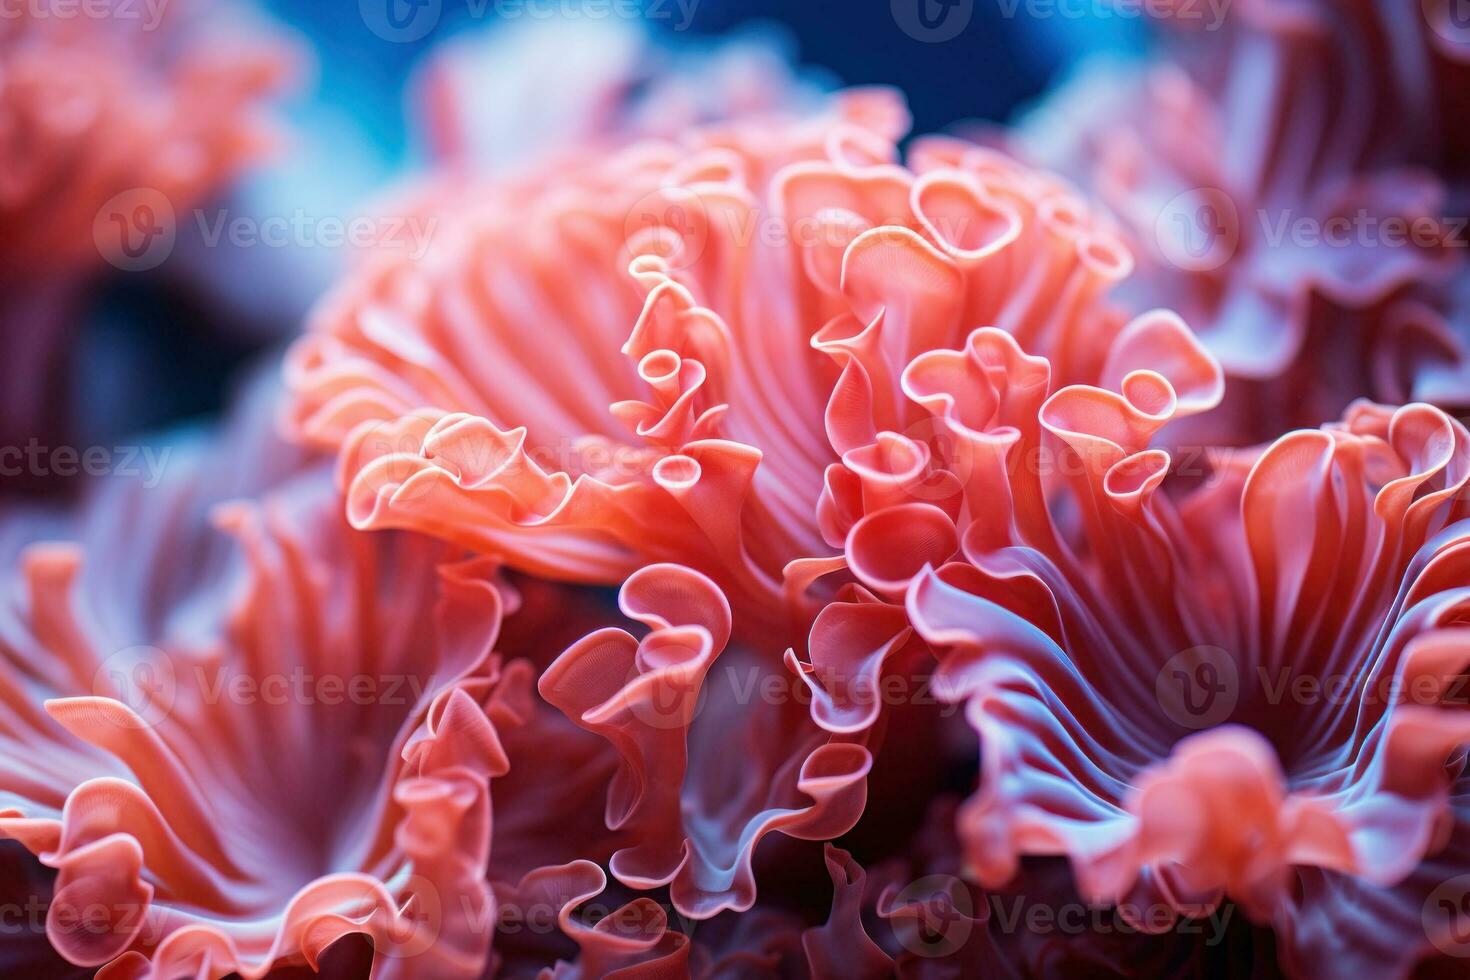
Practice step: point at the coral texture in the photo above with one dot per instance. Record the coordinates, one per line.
(238, 731)
(1294, 187)
(748, 542)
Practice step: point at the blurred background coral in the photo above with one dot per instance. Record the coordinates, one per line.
(164, 344)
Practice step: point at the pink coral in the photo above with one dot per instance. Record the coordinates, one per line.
(752, 412)
(1295, 189)
(947, 588)
(983, 481)
(796, 435)
(1251, 693)
(131, 106)
(280, 757)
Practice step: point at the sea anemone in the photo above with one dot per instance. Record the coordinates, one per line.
(952, 577)
(798, 441)
(1295, 187)
(729, 389)
(1251, 693)
(289, 743)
